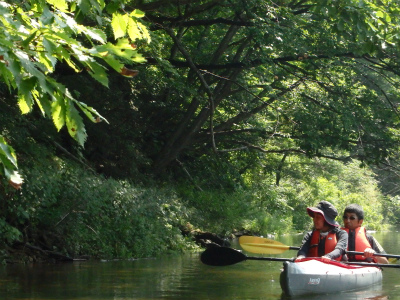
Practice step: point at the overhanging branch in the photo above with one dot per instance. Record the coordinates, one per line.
(202, 80)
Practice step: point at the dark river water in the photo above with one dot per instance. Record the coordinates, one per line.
(174, 277)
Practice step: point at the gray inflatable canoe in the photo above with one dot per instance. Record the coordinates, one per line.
(313, 276)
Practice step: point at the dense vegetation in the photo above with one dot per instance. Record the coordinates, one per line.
(216, 116)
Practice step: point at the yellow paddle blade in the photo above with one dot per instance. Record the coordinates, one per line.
(392, 260)
(257, 244)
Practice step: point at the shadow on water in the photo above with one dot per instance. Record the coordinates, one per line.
(173, 277)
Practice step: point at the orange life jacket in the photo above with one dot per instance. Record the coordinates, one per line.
(330, 244)
(360, 241)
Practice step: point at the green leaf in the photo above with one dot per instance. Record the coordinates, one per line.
(9, 157)
(133, 30)
(122, 49)
(114, 63)
(25, 102)
(372, 26)
(43, 102)
(75, 124)
(139, 58)
(14, 66)
(7, 76)
(69, 23)
(96, 34)
(58, 112)
(8, 164)
(112, 7)
(27, 84)
(84, 5)
(29, 65)
(47, 16)
(98, 5)
(48, 61)
(98, 72)
(119, 25)
(29, 39)
(137, 30)
(137, 13)
(90, 112)
(50, 47)
(379, 14)
(59, 4)
(72, 65)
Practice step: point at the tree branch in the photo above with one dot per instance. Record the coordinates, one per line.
(202, 80)
(257, 62)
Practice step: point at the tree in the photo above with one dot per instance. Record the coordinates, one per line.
(241, 80)
(38, 36)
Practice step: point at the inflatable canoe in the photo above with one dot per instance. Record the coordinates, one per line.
(313, 276)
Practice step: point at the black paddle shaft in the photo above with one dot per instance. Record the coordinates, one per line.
(224, 256)
(375, 254)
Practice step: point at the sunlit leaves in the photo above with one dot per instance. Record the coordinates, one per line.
(365, 22)
(128, 24)
(8, 164)
(119, 25)
(59, 4)
(122, 49)
(58, 112)
(95, 34)
(33, 42)
(90, 112)
(74, 122)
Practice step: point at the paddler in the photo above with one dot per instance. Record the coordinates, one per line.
(326, 240)
(359, 240)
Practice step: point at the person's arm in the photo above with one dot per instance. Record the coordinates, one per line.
(375, 248)
(341, 246)
(305, 246)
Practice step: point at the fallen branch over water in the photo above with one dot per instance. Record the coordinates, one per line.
(39, 254)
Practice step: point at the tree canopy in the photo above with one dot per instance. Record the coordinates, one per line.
(242, 86)
(242, 81)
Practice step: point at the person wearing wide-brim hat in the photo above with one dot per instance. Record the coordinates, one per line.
(326, 240)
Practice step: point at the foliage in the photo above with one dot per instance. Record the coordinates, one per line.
(340, 184)
(282, 77)
(278, 77)
(65, 207)
(218, 212)
(244, 114)
(269, 209)
(36, 36)
(391, 210)
(69, 210)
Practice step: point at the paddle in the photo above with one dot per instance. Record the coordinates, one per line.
(375, 254)
(260, 245)
(367, 264)
(224, 256)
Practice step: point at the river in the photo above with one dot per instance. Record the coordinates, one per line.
(173, 277)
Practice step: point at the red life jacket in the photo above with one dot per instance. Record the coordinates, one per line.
(360, 241)
(330, 244)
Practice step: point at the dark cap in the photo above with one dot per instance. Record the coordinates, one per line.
(326, 209)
